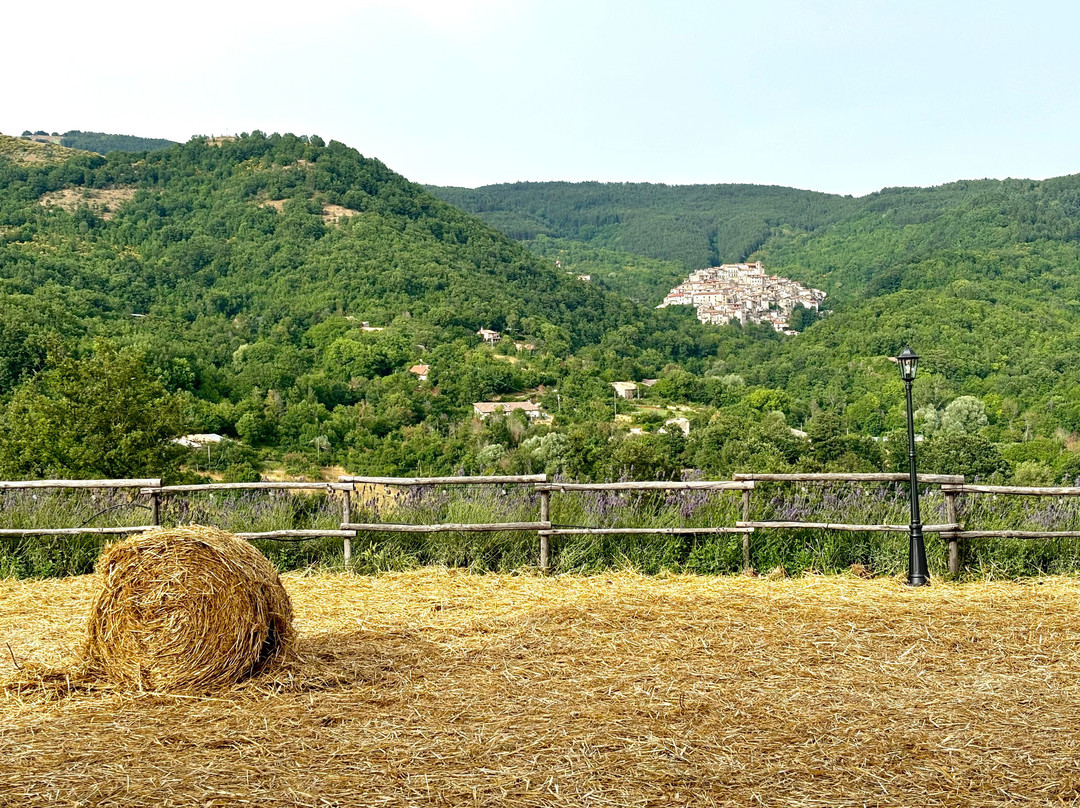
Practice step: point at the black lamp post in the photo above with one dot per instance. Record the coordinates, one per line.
(918, 575)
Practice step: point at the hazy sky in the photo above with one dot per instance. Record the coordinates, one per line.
(838, 96)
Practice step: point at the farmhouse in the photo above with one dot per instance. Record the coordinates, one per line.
(680, 423)
(486, 408)
(625, 389)
(198, 440)
(421, 371)
(489, 336)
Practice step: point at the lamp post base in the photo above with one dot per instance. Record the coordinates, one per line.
(918, 573)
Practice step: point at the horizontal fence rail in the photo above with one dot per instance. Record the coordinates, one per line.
(663, 485)
(299, 534)
(854, 477)
(1012, 490)
(15, 484)
(638, 531)
(491, 527)
(951, 487)
(267, 486)
(950, 528)
(74, 531)
(1018, 534)
(492, 480)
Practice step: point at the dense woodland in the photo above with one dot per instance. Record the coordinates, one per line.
(103, 143)
(224, 286)
(981, 277)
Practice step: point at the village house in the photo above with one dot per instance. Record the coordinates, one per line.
(681, 423)
(489, 336)
(625, 389)
(198, 440)
(420, 371)
(486, 408)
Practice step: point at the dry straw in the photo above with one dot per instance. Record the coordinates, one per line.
(186, 608)
(435, 688)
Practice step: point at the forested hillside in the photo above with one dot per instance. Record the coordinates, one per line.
(982, 277)
(693, 225)
(277, 289)
(320, 310)
(103, 143)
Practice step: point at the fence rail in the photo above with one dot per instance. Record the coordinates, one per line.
(853, 477)
(951, 487)
(490, 480)
(1013, 490)
(662, 485)
(267, 486)
(796, 525)
(146, 483)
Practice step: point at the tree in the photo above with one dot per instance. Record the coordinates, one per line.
(642, 457)
(802, 318)
(22, 351)
(928, 420)
(826, 437)
(965, 415)
(101, 416)
(971, 455)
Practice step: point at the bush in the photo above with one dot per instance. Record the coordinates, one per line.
(241, 473)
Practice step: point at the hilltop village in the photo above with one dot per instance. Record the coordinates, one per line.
(745, 293)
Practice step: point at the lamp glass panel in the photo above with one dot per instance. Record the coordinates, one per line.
(909, 364)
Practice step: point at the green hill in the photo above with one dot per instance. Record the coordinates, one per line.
(278, 289)
(693, 225)
(20, 151)
(283, 286)
(982, 277)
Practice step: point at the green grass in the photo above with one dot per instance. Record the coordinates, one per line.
(797, 551)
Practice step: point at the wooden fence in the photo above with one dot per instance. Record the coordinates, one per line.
(951, 486)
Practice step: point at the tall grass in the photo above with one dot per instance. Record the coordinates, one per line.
(795, 550)
(43, 556)
(1011, 558)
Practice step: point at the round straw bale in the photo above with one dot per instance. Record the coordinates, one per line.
(187, 608)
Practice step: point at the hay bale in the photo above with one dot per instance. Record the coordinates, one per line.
(188, 608)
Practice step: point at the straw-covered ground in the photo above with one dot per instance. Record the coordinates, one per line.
(436, 687)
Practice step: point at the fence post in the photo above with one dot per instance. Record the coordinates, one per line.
(346, 517)
(545, 537)
(954, 542)
(746, 536)
(155, 509)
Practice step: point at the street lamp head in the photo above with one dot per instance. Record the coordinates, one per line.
(908, 361)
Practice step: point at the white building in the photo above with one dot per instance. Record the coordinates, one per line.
(486, 408)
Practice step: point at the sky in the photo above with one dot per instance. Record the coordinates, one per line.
(838, 96)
